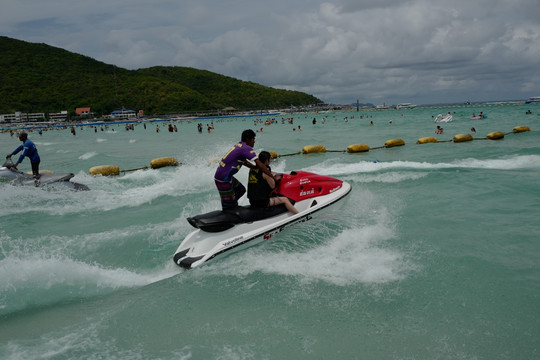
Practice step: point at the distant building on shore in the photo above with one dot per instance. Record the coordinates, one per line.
(60, 116)
(83, 111)
(19, 117)
(123, 114)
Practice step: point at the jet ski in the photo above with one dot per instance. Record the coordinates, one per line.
(443, 118)
(225, 231)
(16, 177)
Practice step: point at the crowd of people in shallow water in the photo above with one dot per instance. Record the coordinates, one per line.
(172, 126)
(259, 124)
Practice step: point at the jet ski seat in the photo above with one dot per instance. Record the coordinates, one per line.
(221, 220)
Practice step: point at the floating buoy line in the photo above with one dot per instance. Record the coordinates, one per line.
(107, 170)
(354, 148)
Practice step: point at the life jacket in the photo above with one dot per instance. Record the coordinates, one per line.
(258, 187)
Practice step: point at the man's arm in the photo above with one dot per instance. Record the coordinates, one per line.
(270, 181)
(265, 170)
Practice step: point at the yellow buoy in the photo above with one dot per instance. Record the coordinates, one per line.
(462, 138)
(105, 170)
(357, 148)
(427, 139)
(519, 129)
(309, 149)
(42, 172)
(495, 135)
(273, 154)
(394, 142)
(162, 162)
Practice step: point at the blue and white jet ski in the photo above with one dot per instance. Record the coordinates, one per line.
(224, 231)
(16, 177)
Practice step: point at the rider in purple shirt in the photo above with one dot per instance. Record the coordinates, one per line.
(230, 189)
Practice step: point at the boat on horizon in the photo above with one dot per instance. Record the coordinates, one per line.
(405, 106)
(533, 99)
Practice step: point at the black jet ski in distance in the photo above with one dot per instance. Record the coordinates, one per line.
(15, 177)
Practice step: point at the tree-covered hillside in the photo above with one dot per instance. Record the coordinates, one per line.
(42, 78)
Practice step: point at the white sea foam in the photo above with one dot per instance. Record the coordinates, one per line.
(387, 177)
(88, 155)
(45, 273)
(511, 163)
(355, 255)
(108, 193)
(44, 143)
(360, 253)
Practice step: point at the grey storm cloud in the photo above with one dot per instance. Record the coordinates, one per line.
(373, 50)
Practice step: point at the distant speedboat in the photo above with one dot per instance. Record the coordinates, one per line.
(534, 99)
(381, 107)
(405, 106)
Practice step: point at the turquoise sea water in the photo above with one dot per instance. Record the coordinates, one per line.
(434, 255)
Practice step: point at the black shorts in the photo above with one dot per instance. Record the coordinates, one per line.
(260, 203)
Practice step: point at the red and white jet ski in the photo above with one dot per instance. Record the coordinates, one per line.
(224, 231)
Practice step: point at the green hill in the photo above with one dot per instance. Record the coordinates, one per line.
(43, 78)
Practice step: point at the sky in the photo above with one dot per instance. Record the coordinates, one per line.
(373, 51)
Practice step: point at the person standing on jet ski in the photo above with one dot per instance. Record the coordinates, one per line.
(230, 189)
(260, 187)
(29, 149)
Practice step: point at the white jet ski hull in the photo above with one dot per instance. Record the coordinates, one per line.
(201, 246)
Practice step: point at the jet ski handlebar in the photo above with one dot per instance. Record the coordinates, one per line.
(9, 165)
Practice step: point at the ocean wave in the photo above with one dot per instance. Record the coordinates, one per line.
(109, 193)
(37, 280)
(511, 163)
(387, 177)
(358, 254)
(87, 155)
(355, 255)
(44, 143)
(332, 168)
